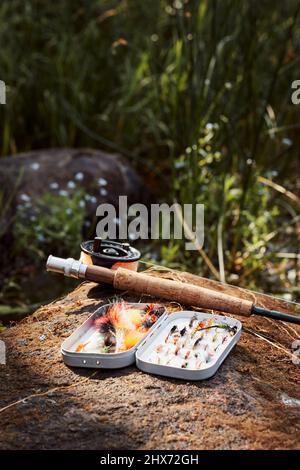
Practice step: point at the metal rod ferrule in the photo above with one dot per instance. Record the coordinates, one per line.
(69, 267)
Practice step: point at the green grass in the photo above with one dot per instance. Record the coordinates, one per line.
(197, 94)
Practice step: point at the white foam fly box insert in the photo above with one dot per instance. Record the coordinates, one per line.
(181, 319)
(142, 352)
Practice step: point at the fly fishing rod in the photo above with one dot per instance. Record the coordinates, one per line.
(188, 294)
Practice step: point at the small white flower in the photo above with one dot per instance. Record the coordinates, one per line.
(91, 199)
(35, 166)
(71, 185)
(177, 4)
(169, 10)
(25, 198)
(33, 218)
(287, 142)
(154, 37)
(63, 193)
(179, 165)
(209, 125)
(102, 181)
(53, 185)
(69, 211)
(42, 337)
(81, 203)
(79, 176)
(103, 192)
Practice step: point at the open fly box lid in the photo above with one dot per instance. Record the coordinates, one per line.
(145, 355)
(84, 348)
(110, 254)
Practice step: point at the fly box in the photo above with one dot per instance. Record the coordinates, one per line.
(185, 345)
(110, 337)
(188, 345)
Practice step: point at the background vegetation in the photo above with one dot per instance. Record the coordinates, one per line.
(197, 94)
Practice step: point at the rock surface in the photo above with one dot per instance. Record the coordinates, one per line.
(102, 175)
(253, 401)
(25, 178)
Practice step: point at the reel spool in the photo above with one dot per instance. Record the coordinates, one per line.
(109, 254)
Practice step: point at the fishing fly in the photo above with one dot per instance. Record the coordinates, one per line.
(120, 328)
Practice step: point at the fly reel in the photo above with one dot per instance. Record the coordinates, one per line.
(109, 254)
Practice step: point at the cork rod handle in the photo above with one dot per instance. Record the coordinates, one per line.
(124, 279)
(99, 274)
(180, 292)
